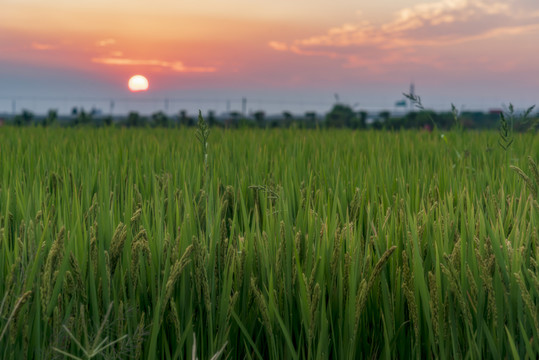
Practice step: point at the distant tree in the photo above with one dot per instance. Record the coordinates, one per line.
(24, 118)
(107, 120)
(211, 118)
(287, 115)
(340, 116)
(27, 117)
(378, 125)
(310, 119)
(246, 123)
(288, 119)
(134, 119)
(51, 118)
(310, 115)
(363, 115)
(428, 117)
(160, 119)
(417, 120)
(260, 118)
(233, 119)
(384, 115)
(363, 118)
(84, 118)
(185, 120)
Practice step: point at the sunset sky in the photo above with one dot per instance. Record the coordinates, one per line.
(475, 53)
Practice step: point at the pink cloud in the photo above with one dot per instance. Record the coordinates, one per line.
(417, 29)
(41, 46)
(278, 45)
(176, 66)
(106, 42)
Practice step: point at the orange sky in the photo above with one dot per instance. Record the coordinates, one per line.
(448, 47)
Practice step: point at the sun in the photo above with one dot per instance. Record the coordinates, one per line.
(138, 83)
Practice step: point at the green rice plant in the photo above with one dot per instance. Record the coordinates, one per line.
(532, 181)
(416, 101)
(16, 309)
(214, 357)
(456, 118)
(109, 248)
(202, 134)
(506, 129)
(91, 349)
(506, 125)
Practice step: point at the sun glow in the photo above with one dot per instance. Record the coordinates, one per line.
(138, 83)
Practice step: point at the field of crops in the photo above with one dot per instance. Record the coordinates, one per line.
(275, 244)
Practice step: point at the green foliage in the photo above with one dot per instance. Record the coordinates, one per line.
(83, 118)
(456, 118)
(202, 134)
(90, 350)
(506, 129)
(160, 119)
(134, 119)
(301, 244)
(416, 101)
(51, 119)
(507, 122)
(343, 116)
(340, 116)
(532, 182)
(24, 118)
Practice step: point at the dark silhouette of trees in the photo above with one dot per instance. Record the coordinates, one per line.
(211, 118)
(310, 121)
(344, 116)
(340, 116)
(134, 119)
(160, 119)
(84, 118)
(233, 119)
(186, 120)
(51, 118)
(260, 118)
(24, 118)
(384, 115)
(363, 117)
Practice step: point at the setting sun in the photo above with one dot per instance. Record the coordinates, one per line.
(138, 83)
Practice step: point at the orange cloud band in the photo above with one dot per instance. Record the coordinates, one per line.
(176, 66)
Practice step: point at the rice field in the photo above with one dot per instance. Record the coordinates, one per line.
(267, 244)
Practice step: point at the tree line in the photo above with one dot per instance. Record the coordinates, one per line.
(340, 116)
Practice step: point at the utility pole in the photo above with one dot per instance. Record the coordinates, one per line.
(243, 105)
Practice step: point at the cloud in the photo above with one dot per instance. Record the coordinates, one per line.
(278, 45)
(429, 25)
(106, 42)
(41, 46)
(176, 66)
